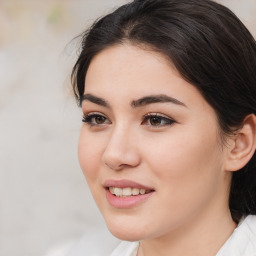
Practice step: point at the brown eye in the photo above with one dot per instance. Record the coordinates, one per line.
(100, 119)
(155, 121)
(95, 119)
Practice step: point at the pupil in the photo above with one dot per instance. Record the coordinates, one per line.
(100, 119)
(155, 120)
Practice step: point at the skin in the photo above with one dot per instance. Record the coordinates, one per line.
(180, 155)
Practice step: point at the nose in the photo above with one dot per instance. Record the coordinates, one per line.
(121, 150)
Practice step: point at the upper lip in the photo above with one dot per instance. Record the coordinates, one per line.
(125, 184)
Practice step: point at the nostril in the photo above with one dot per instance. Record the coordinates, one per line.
(115, 167)
(120, 160)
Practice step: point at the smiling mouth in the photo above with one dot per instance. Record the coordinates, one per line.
(127, 192)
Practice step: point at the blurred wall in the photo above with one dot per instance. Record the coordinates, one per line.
(44, 198)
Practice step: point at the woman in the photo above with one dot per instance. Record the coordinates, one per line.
(168, 94)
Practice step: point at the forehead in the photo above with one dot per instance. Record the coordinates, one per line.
(128, 72)
(119, 61)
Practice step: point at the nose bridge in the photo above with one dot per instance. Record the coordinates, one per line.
(120, 135)
(121, 148)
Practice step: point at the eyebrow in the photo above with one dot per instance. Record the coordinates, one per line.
(162, 98)
(94, 99)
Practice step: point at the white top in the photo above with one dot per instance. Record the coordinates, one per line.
(242, 242)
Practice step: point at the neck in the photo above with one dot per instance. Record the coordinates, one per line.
(203, 236)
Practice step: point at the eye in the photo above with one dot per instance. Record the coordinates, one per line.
(157, 120)
(95, 119)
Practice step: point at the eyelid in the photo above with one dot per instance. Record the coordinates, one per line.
(94, 113)
(157, 114)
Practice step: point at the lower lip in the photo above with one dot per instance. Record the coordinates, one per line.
(126, 202)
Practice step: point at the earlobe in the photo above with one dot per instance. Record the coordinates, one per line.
(243, 145)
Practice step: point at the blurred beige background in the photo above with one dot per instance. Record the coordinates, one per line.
(44, 199)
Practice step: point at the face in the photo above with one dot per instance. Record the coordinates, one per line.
(149, 145)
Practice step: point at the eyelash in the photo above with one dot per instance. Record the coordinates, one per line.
(90, 119)
(148, 118)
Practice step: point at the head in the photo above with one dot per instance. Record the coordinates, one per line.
(200, 54)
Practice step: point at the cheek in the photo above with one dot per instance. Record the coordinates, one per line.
(189, 156)
(182, 151)
(187, 171)
(89, 151)
(186, 165)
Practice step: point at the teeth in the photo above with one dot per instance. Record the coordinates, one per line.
(118, 191)
(142, 191)
(125, 192)
(111, 189)
(135, 191)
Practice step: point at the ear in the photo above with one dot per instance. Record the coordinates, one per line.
(242, 145)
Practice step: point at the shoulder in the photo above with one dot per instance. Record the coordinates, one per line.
(243, 240)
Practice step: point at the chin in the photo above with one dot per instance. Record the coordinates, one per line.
(130, 236)
(127, 231)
